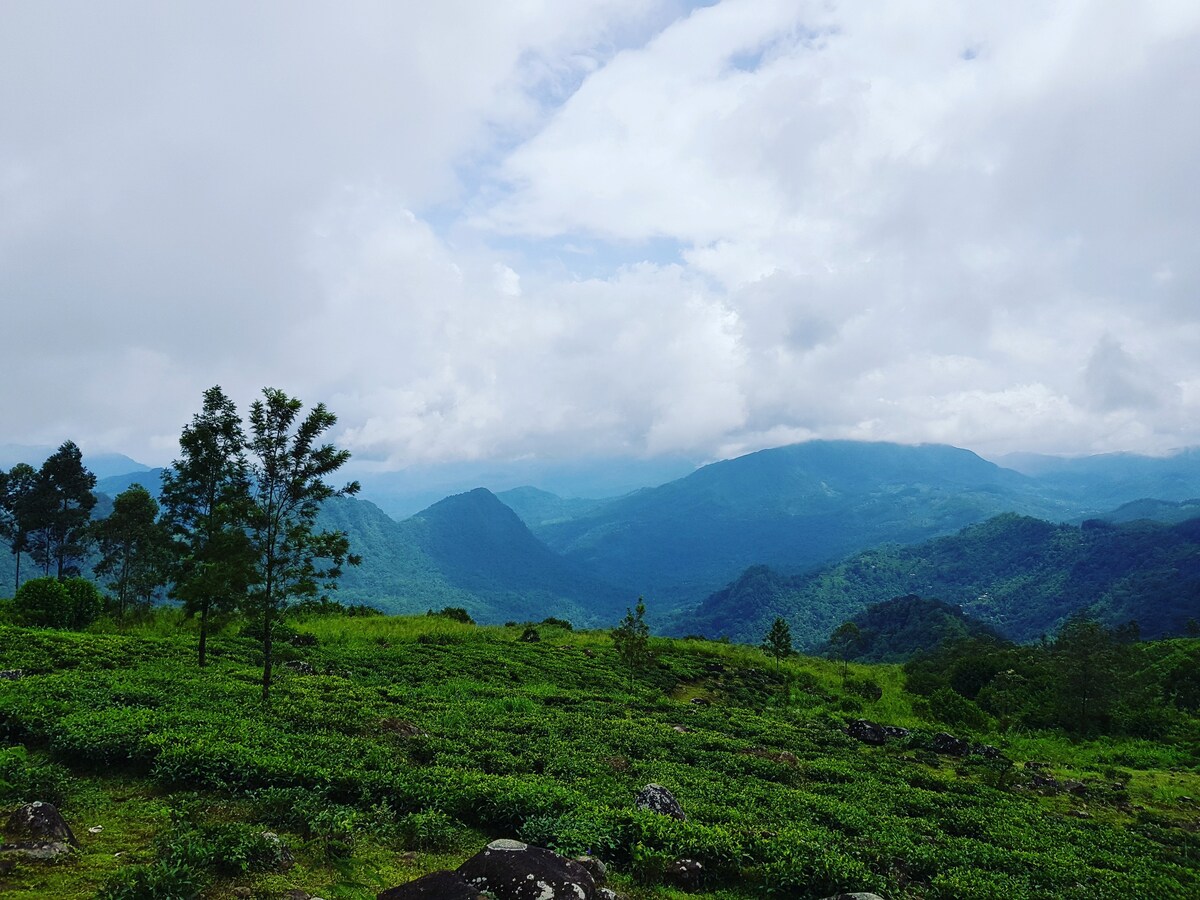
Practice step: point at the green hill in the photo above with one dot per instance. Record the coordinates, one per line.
(790, 507)
(1019, 575)
(892, 631)
(393, 747)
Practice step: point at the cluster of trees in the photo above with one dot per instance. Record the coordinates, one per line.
(236, 529)
(1089, 679)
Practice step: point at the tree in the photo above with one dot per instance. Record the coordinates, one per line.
(51, 603)
(632, 639)
(134, 548)
(16, 490)
(59, 510)
(1087, 659)
(844, 642)
(205, 498)
(288, 468)
(778, 642)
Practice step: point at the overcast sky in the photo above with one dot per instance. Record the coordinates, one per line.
(545, 229)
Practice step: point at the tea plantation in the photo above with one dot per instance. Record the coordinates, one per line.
(395, 746)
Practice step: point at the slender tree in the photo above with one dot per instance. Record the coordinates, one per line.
(134, 548)
(288, 468)
(205, 498)
(16, 489)
(844, 642)
(778, 641)
(631, 639)
(60, 510)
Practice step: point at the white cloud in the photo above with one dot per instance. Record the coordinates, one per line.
(484, 230)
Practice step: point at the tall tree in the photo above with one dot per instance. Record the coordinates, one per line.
(205, 498)
(631, 638)
(16, 490)
(778, 642)
(845, 642)
(134, 548)
(1089, 671)
(288, 468)
(60, 510)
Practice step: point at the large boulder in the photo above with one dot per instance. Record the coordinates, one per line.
(38, 831)
(39, 822)
(658, 799)
(443, 885)
(867, 731)
(511, 870)
(950, 745)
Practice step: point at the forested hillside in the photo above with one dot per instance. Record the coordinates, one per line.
(1022, 576)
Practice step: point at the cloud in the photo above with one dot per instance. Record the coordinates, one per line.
(494, 231)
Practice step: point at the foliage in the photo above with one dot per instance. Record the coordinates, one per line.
(288, 468)
(17, 491)
(457, 613)
(59, 510)
(436, 747)
(631, 638)
(205, 495)
(51, 603)
(778, 641)
(134, 548)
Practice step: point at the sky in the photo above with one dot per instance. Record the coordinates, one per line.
(503, 233)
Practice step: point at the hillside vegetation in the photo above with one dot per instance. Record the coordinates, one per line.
(1019, 575)
(395, 746)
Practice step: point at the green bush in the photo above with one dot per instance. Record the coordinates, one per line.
(43, 603)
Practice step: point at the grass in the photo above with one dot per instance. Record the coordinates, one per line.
(422, 738)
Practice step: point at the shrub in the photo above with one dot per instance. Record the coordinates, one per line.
(866, 688)
(457, 613)
(43, 603)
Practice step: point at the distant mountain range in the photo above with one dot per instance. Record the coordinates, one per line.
(724, 548)
(1018, 575)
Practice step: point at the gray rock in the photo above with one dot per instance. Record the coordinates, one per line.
(299, 667)
(511, 870)
(950, 745)
(11, 674)
(283, 854)
(658, 799)
(39, 822)
(443, 885)
(595, 867)
(867, 731)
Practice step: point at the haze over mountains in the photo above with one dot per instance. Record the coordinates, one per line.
(813, 531)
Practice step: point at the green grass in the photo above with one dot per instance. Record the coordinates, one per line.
(422, 738)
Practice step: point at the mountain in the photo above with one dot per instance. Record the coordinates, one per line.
(150, 479)
(538, 508)
(1107, 480)
(1019, 575)
(790, 508)
(1170, 511)
(467, 550)
(102, 465)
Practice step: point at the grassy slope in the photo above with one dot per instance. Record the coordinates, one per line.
(545, 742)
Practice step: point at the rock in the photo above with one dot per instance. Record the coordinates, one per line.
(658, 799)
(684, 874)
(283, 855)
(587, 651)
(12, 674)
(511, 870)
(443, 885)
(1078, 788)
(609, 894)
(42, 851)
(780, 756)
(39, 822)
(895, 731)
(682, 729)
(244, 893)
(401, 727)
(1079, 814)
(595, 867)
(950, 745)
(856, 896)
(700, 701)
(867, 731)
(299, 667)
(987, 751)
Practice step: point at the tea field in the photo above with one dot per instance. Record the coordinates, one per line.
(393, 746)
